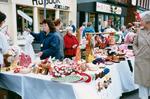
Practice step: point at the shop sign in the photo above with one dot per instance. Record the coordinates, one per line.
(61, 7)
(101, 7)
(55, 3)
(41, 2)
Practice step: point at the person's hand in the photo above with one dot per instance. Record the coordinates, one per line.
(40, 54)
(27, 29)
(74, 46)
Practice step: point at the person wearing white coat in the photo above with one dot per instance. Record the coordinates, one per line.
(3, 40)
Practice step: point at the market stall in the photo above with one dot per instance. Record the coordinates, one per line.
(105, 74)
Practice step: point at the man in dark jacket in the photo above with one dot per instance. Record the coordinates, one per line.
(50, 41)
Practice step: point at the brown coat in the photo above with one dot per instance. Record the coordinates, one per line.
(141, 47)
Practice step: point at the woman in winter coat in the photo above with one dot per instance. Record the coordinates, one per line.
(141, 47)
(50, 41)
(71, 43)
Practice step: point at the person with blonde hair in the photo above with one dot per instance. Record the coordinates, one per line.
(141, 47)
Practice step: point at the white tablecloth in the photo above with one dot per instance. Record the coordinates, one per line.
(33, 86)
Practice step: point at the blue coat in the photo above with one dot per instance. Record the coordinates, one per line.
(88, 29)
(51, 45)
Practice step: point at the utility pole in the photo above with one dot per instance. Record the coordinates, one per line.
(44, 9)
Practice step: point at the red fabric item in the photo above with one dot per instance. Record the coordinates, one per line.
(25, 60)
(69, 41)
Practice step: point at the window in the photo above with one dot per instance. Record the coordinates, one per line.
(64, 16)
(21, 22)
(92, 18)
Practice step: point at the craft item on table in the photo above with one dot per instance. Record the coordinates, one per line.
(111, 52)
(92, 67)
(65, 61)
(85, 77)
(22, 70)
(111, 39)
(122, 58)
(102, 74)
(109, 58)
(24, 60)
(98, 61)
(8, 59)
(115, 59)
(43, 68)
(62, 71)
(89, 58)
(11, 59)
(130, 46)
(114, 48)
(37, 70)
(120, 53)
(108, 63)
(123, 47)
(89, 48)
(17, 70)
(104, 84)
(100, 41)
(70, 79)
(83, 67)
(78, 54)
(97, 50)
(102, 65)
(129, 53)
(10, 56)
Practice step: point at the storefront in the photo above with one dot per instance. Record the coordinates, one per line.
(100, 13)
(34, 9)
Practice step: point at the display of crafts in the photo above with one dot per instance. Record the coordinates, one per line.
(113, 54)
(62, 71)
(69, 70)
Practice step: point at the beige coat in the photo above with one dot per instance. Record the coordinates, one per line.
(141, 49)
